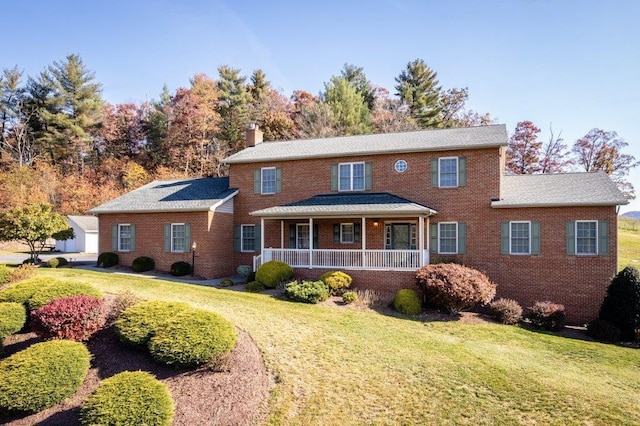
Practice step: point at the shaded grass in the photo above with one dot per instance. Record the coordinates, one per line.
(342, 366)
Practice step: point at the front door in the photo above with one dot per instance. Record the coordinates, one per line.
(400, 236)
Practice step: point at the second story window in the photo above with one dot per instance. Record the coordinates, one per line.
(448, 172)
(586, 237)
(351, 177)
(268, 180)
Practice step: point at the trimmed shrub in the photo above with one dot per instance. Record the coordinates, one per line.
(5, 274)
(255, 287)
(143, 264)
(337, 281)
(138, 323)
(42, 375)
(22, 272)
(22, 291)
(251, 276)
(244, 270)
(52, 263)
(193, 337)
(306, 291)
(12, 318)
(122, 301)
(349, 297)
(407, 301)
(60, 289)
(603, 331)
(547, 315)
(621, 305)
(455, 287)
(227, 282)
(180, 269)
(274, 272)
(129, 398)
(73, 318)
(506, 311)
(107, 259)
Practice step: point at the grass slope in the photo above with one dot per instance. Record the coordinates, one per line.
(628, 242)
(342, 366)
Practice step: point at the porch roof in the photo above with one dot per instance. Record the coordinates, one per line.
(343, 205)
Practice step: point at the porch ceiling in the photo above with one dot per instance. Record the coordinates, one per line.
(348, 204)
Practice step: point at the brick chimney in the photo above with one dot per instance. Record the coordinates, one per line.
(253, 135)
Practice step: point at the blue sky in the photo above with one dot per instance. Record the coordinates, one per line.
(570, 64)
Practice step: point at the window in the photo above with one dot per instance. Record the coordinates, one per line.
(268, 180)
(179, 238)
(520, 237)
(400, 166)
(125, 241)
(302, 236)
(448, 172)
(248, 238)
(448, 238)
(347, 234)
(351, 176)
(587, 237)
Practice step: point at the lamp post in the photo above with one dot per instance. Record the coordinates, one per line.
(193, 258)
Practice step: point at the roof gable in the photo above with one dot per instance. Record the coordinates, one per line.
(86, 223)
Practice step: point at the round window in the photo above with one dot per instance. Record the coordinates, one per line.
(400, 166)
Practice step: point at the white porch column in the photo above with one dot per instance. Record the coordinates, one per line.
(364, 241)
(282, 234)
(421, 239)
(261, 235)
(425, 258)
(311, 243)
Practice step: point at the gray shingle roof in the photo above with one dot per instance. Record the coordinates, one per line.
(565, 189)
(342, 205)
(86, 223)
(171, 195)
(423, 140)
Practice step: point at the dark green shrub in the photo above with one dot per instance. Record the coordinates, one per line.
(621, 305)
(73, 318)
(251, 276)
(52, 263)
(337, 281)
(349, 297)
(255, 287)
(56, 290)
(180, 269)
(407, 301)
(12, 318)
(507, 311)
(143, 264)
(454, 286)
(227, 282)
(62, 261)
(603, 331)
(107, 259)
(42, 375)
(5, 274)
(193, 337)
(22, 291)
(547, 315)
(138, 323)
(306, 291)
(129, 398)
(273, 272)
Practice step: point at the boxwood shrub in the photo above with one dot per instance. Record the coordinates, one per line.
(349, 297)
(180, 269)
(306, 291)
(22, 291)
(12, 318)
(56, 262)
(74, 318)
(107, 259)
(255, 286)
(143, 264)
(60, 289)
(193, 337)
(274, 272)
(42, 375)
(407, 301)
(337, 281)
(138, 323)
(129, 398)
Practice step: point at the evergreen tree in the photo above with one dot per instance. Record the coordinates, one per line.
(156, 128)
(621, 305)
(349, 108)
(418, 88)
(356, 78)
(233, 107)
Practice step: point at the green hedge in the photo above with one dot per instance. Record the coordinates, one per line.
(107, 259)
(42, 375)
(306, 291)
(143, 264)
(129, 398)
(137, 324)
(12, 318)
(255, 287)
(274, 272)
(60, 289)
(407, 301)
(22, 291)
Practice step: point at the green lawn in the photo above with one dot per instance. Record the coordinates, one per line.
(343, 366)
(628, 242)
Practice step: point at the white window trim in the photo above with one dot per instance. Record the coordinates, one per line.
(262, 170)
(353, 233)
(457, 172)
(310, 237)
(173, 250)
(575, 231)
(511, 238)
(351, 189)
(120, 225)
(440, 236)
(398, 162)
(242, 249)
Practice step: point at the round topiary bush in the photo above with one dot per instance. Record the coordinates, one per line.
(180, 269)
(273, 272)
(143, 264)
(507, 311)
(42, 375)
(52, 263)
(107, 259)
(74, 318)
(337, 281)
(306, 291)
(138, 323)
(22, 291)
(129, 398)
(407, 301)
(12, 318)
(60, 289)
(349, 297)
(193, 337)
(244, 270)
(621, 305)
(255, 287)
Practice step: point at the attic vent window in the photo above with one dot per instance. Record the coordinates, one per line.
(400, 166)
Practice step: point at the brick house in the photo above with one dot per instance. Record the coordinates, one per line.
(381, 206)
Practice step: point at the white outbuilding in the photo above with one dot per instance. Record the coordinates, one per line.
(85, 229)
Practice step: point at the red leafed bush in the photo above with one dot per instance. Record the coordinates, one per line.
(73, 318)
(454, 286)
(547, 316)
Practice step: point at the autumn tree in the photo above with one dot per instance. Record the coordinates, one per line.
(453, 112)
(122, 134)
(389, 115)
(349, 109)
(554, 155)
(523, 151)
(269, 109)
(418, 87)
(315, 120)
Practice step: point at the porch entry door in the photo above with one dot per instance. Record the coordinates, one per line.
(400, 236)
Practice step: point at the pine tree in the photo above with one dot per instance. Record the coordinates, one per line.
(233, 107)
(349, 108)
(418, 88)
(356, 78)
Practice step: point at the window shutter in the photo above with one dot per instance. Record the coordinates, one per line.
(356, 232)
(462, 171)
(114, 238)
(133, 238)
(462, 237)
(433, 231)
(535, 237)
(603, 237)
(336, 232)
(334, 177)
(505, 237)
(368, 175)
(292, 236)
(278, 179)
(257, 246)
(257, 177)
(571, 237)
(237, 230)
(187, 237)
(434, 172)
(167, 237)
(315, 236)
